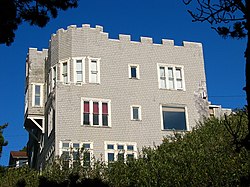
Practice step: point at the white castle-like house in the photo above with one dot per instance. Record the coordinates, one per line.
(110, 96)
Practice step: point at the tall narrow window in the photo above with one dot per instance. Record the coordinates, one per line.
(133, 71)
(136, 112)
(178, 78)
(105, 114)
(95, 113)
(79, 71)
(54, 77)
(65, 72)
(37, 95)
(162, 78)
(94, 71)
(86, 113)
(170, 78)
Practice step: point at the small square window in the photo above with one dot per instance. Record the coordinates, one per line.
(110, 146)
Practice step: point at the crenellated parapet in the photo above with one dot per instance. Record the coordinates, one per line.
(123, 38)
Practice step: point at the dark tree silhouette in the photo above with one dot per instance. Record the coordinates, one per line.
(2, 141)
(35, 12)
(229, 18)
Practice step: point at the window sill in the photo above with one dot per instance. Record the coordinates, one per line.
(136, 120)
(180, 90)
(134, 78)
(174, 130)
(96, 126)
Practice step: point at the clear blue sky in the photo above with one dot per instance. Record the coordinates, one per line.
(224, 62)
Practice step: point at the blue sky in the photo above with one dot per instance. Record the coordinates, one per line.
(224, 61)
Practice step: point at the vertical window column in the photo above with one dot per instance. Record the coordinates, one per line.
(37, 95)
(94, 70)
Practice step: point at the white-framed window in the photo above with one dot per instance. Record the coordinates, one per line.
(133, 71)
(75, 152)
(174, 117)
(65, 71)
(54, 75)
(119, 151)
(135, 112)
(79, 70)
(94, 70)
(96, 112)
(171, 77)
(37, 95)
(51, 120)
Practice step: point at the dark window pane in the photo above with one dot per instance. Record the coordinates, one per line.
(136, 113)
(65, 155)
(86, 157)
(104, 108)
(65, 145)
(120, 147)
(95, 119)
(86, 107)
(133, 72)
(120, 157)
(105, 120)
(130, 156)
(130, 147)
(95, 107)
(86, 119)
(76, 145)
(86, 146)
(76, 155)
(111, 157)
(174, 120)
(110, 146)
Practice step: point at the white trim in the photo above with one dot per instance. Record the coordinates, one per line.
(53, 76)
(83, 59)
(33, 119)
(139, 112)
(41, 94)
(116, 151)
(166, 66)
(177, 106)
(100, 101)
(98, 69)
(137, 71)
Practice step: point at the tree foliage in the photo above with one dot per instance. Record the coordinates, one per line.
(230, 18)
(35, 12)
(2, 140)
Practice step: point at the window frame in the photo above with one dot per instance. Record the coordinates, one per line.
(137, 71)
(34, 95)
(62, 73)
(90, 59)
(83, 59)
(115, 151)
(174, 68)
(100, 113)
(174, 106)
(53, 76)
(132, 114)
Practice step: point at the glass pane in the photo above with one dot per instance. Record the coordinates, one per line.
(37, 89)
(135, 112)
(86, 119)
(95, 108)
(65, 155)
(120, 157)
(93, 78)
(170, 72)
(86, 157)
(86, 107)
(174, 120)
(130, 156)
(130, 147)
(104, 108)
(79, 65)
(65, 78)
(93, 65)
(76, 155)
(163, 83)
(37, 100)
(95, 119)
(105, 120)
(76, 145)
(133, 72)
(65, 145)
(179, 84)
(111, 157)
(120, 147)
(171, 84)
(162, 72)
(178, 73)
(86, 146)
(110, 146)
(79, 76)
(64, 68)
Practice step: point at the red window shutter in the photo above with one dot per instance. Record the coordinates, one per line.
(104, 108)
(95, 108)
(86, 107)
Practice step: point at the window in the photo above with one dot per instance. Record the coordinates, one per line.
(135, 112)
(133, 70)
(119, 151)
(173, 118)
(94, 70)
(65, 77)
(96, 112)
(50, 121)
(170, 77)
(37, 95)
(79, 70)
(53, 76)
(75, 153)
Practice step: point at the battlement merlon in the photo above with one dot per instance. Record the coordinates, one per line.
(32, 51)
(125, 38)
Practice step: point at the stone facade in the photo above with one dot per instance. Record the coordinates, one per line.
(125, 76)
